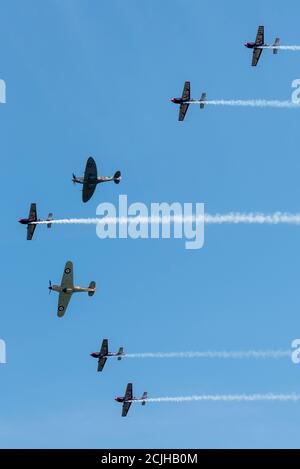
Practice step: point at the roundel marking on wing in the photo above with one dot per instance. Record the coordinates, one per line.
(67, 270)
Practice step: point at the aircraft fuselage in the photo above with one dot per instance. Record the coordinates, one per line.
(75, 289)
(249, 45)
(109, 354)
(27, 221)
(188, 101)
(253, 45)
(122, 399)
(98, 180)
(179, 100)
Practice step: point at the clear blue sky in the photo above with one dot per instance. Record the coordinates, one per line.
(94, 78)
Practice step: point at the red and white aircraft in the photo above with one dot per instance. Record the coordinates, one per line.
(259, 45)
(32, 220)
(104, 353)
(186, 100)
(128, 399)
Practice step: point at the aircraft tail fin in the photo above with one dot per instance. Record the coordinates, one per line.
(49, 218)
(120, 352)
(202, 99)
(276, 43)
(117, 177)
(92, 285)
(144, 398)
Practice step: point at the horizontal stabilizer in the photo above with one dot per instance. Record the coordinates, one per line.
(121, 351)
(276, 43)
(144, 397)
(117, 177)
(202, 100)
(49, 218)
(92, 285)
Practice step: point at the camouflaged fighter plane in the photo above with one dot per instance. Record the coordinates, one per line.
(186, 100)
(104, 353)
(91, 179)
(32, 220)
(128, 399)
(67, 288)
(259, 45)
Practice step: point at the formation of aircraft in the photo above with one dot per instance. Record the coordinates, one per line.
(91, 179)
(89, 182)
(186, 100)
(128, 399)
(259, 45)
(32, 219)
(67, 288)
(104, 353)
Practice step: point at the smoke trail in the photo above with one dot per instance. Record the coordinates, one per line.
(262, 103)
(229, 398)
(253, 218)
(227, 218)
(294, 48)
(215, 354)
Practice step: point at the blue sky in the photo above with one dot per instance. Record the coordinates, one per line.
(95, 78)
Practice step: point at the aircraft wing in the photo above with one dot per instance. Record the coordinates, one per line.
(128, 393)
(182, 111)
(101, 363)
(260, 37)
(125, 408)
(88, 191)
(32, 213)
(186, 93)
(30, 231)
(127, 400)
(67, 278)
(63, 301)
(66, 282)
(256, 56)
(104, 347)
(90, 173)
(32, 217)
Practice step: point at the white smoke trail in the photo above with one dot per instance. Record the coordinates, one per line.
(262, 103)
(215, 354)
(293, 48)
(253, 218)
(228, 218)
(229, 398)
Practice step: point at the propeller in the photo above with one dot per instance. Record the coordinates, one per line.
(74, 178)
(50, 287)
